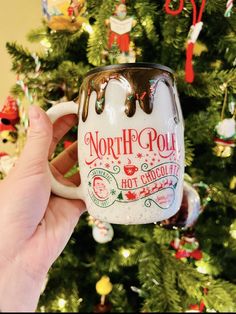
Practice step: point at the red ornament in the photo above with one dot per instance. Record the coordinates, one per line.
(3, 154)
(193, 34)
(120, 26)
(187, 247)
(6, 127)
(70, 11)
(197, 307)
(10, 109)
(67, 144)
(9, 115)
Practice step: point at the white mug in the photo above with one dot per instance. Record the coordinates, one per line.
(130, 144)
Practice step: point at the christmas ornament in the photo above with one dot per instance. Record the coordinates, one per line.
(231, 103)
(226, 128)
(196, 308)
(37, 63)
(24, 121)
(9, 118)
(194, 32)
(224, 133)
(229, 7)
(102, 231)
(23, 111)
(223, 148)
(199, 48)
(25, 89)
(120, 26)
(67, 143)
(187, 246)
(8, 149)
(103, 288)
(199, 308)
(7, 136)
(189, 211)
(6, 163)
(64, 14)
(9, 115)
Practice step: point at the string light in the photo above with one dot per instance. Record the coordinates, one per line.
(202, 268)
(125, 253)
(233, 230)
(88, 28)
(61, 303)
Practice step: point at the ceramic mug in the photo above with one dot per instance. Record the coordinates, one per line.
(130, 143)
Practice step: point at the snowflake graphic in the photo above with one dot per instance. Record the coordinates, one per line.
(113, 192)
(139, 155)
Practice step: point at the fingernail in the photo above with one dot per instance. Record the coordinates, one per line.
(33, 113)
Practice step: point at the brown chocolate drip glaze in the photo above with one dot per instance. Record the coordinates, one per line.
(140, 86)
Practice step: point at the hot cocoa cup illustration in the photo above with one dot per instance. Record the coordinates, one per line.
(130, 169)
(130, 144)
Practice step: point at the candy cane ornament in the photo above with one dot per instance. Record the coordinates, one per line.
(25, 89)
(37, 63)
(229, 7)
(194, 32)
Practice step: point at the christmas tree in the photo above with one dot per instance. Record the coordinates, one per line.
(172, 266)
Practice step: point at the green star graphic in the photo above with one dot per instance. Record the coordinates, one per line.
(113, 192)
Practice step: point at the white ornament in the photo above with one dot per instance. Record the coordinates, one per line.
(6, 163)
(103, 232)
(226, 128)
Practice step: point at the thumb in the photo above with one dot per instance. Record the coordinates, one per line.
(34, 157)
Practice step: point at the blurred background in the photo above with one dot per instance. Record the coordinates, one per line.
(17, 18)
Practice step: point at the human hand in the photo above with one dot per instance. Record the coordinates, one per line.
(35, 225)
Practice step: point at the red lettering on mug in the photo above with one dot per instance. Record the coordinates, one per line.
(147, 139)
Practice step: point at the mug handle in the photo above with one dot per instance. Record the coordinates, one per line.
(58, 188)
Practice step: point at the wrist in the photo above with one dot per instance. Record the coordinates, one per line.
(19, 288)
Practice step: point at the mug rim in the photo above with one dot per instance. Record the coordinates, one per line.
(130, 65)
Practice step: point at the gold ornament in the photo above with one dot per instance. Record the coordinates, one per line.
(199, 48)
(222, 150)
(64, 14)
(104, 286)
